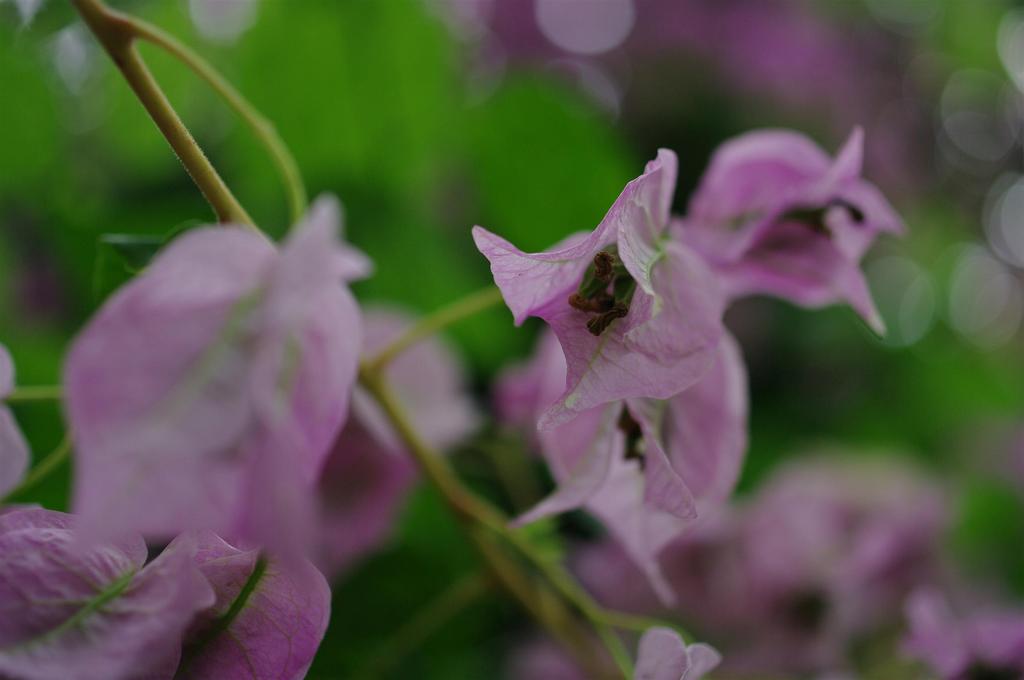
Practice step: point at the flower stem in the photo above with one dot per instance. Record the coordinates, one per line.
(42, 469)
(34, 393)
(115, 32)
(480, 518)
(424, 623)
(265, 132)
(428, 325)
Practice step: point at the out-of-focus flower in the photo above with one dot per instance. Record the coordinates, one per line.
(831, 546)
(223, 20)
(368, 470)
(643, 466)
(786, 55)
(988, 644)
(91, 614)
(638, 314)
(27, 9)
(268, 619)
(775, 215)
(13, 448)
(785, 583)
(662, 655)
(206, 393)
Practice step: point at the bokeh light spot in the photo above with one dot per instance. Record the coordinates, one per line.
(585, 26)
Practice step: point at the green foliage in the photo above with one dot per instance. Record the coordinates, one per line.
(373, 99)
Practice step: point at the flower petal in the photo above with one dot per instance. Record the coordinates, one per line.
(580, 475)
(529, 281)
(748, 180)
(92, 614)
(224, 356)
(14, 453)
(641, 216)
(706, 427)
(361, 491)
(703, 659)
(6, 372)
(664, 490)
(156, 387)
(267, 621)
(665, 344)
(806, 269)
(662, 655)
(642, 529)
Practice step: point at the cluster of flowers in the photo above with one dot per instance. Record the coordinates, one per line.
(639, 391)
(791, 581)
(215, 396)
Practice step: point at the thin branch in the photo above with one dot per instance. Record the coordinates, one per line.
(34, 393)
(429, 325)
(116, 32)
(425, 623)
(42, 470)
(265, 132)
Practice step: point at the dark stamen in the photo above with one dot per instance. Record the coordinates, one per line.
(856, 213)
(634, 438)
(604, 266)
(605, 291)
(814, 217)
(601, 302)
(599, 324)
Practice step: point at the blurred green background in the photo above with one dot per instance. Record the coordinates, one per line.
(424, 127)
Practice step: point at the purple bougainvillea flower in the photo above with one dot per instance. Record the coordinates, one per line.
(662, 655)
(785, 583)
(644, 466)
(94, 614)
(638, 314)
(205, 394)
(368, 472)
(13, 448)
(775, 215)
(987, 644)
(268, 619)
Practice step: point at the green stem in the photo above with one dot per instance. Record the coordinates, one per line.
(462, 502)
(542, 604)
(265, 132)
(115, 32)
(34, 393)
(639, 624)
(42, 470)
(424, 623)
(476, 515)
(429, 325)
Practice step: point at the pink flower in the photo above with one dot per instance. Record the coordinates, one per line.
(368, 472)
(986, 644)
(775, 215)
(268, 618)
(93, 614)
(643, 466)
(205, 394)
(637, 313)
(820, 557)
(662, 655)
(14, 453)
